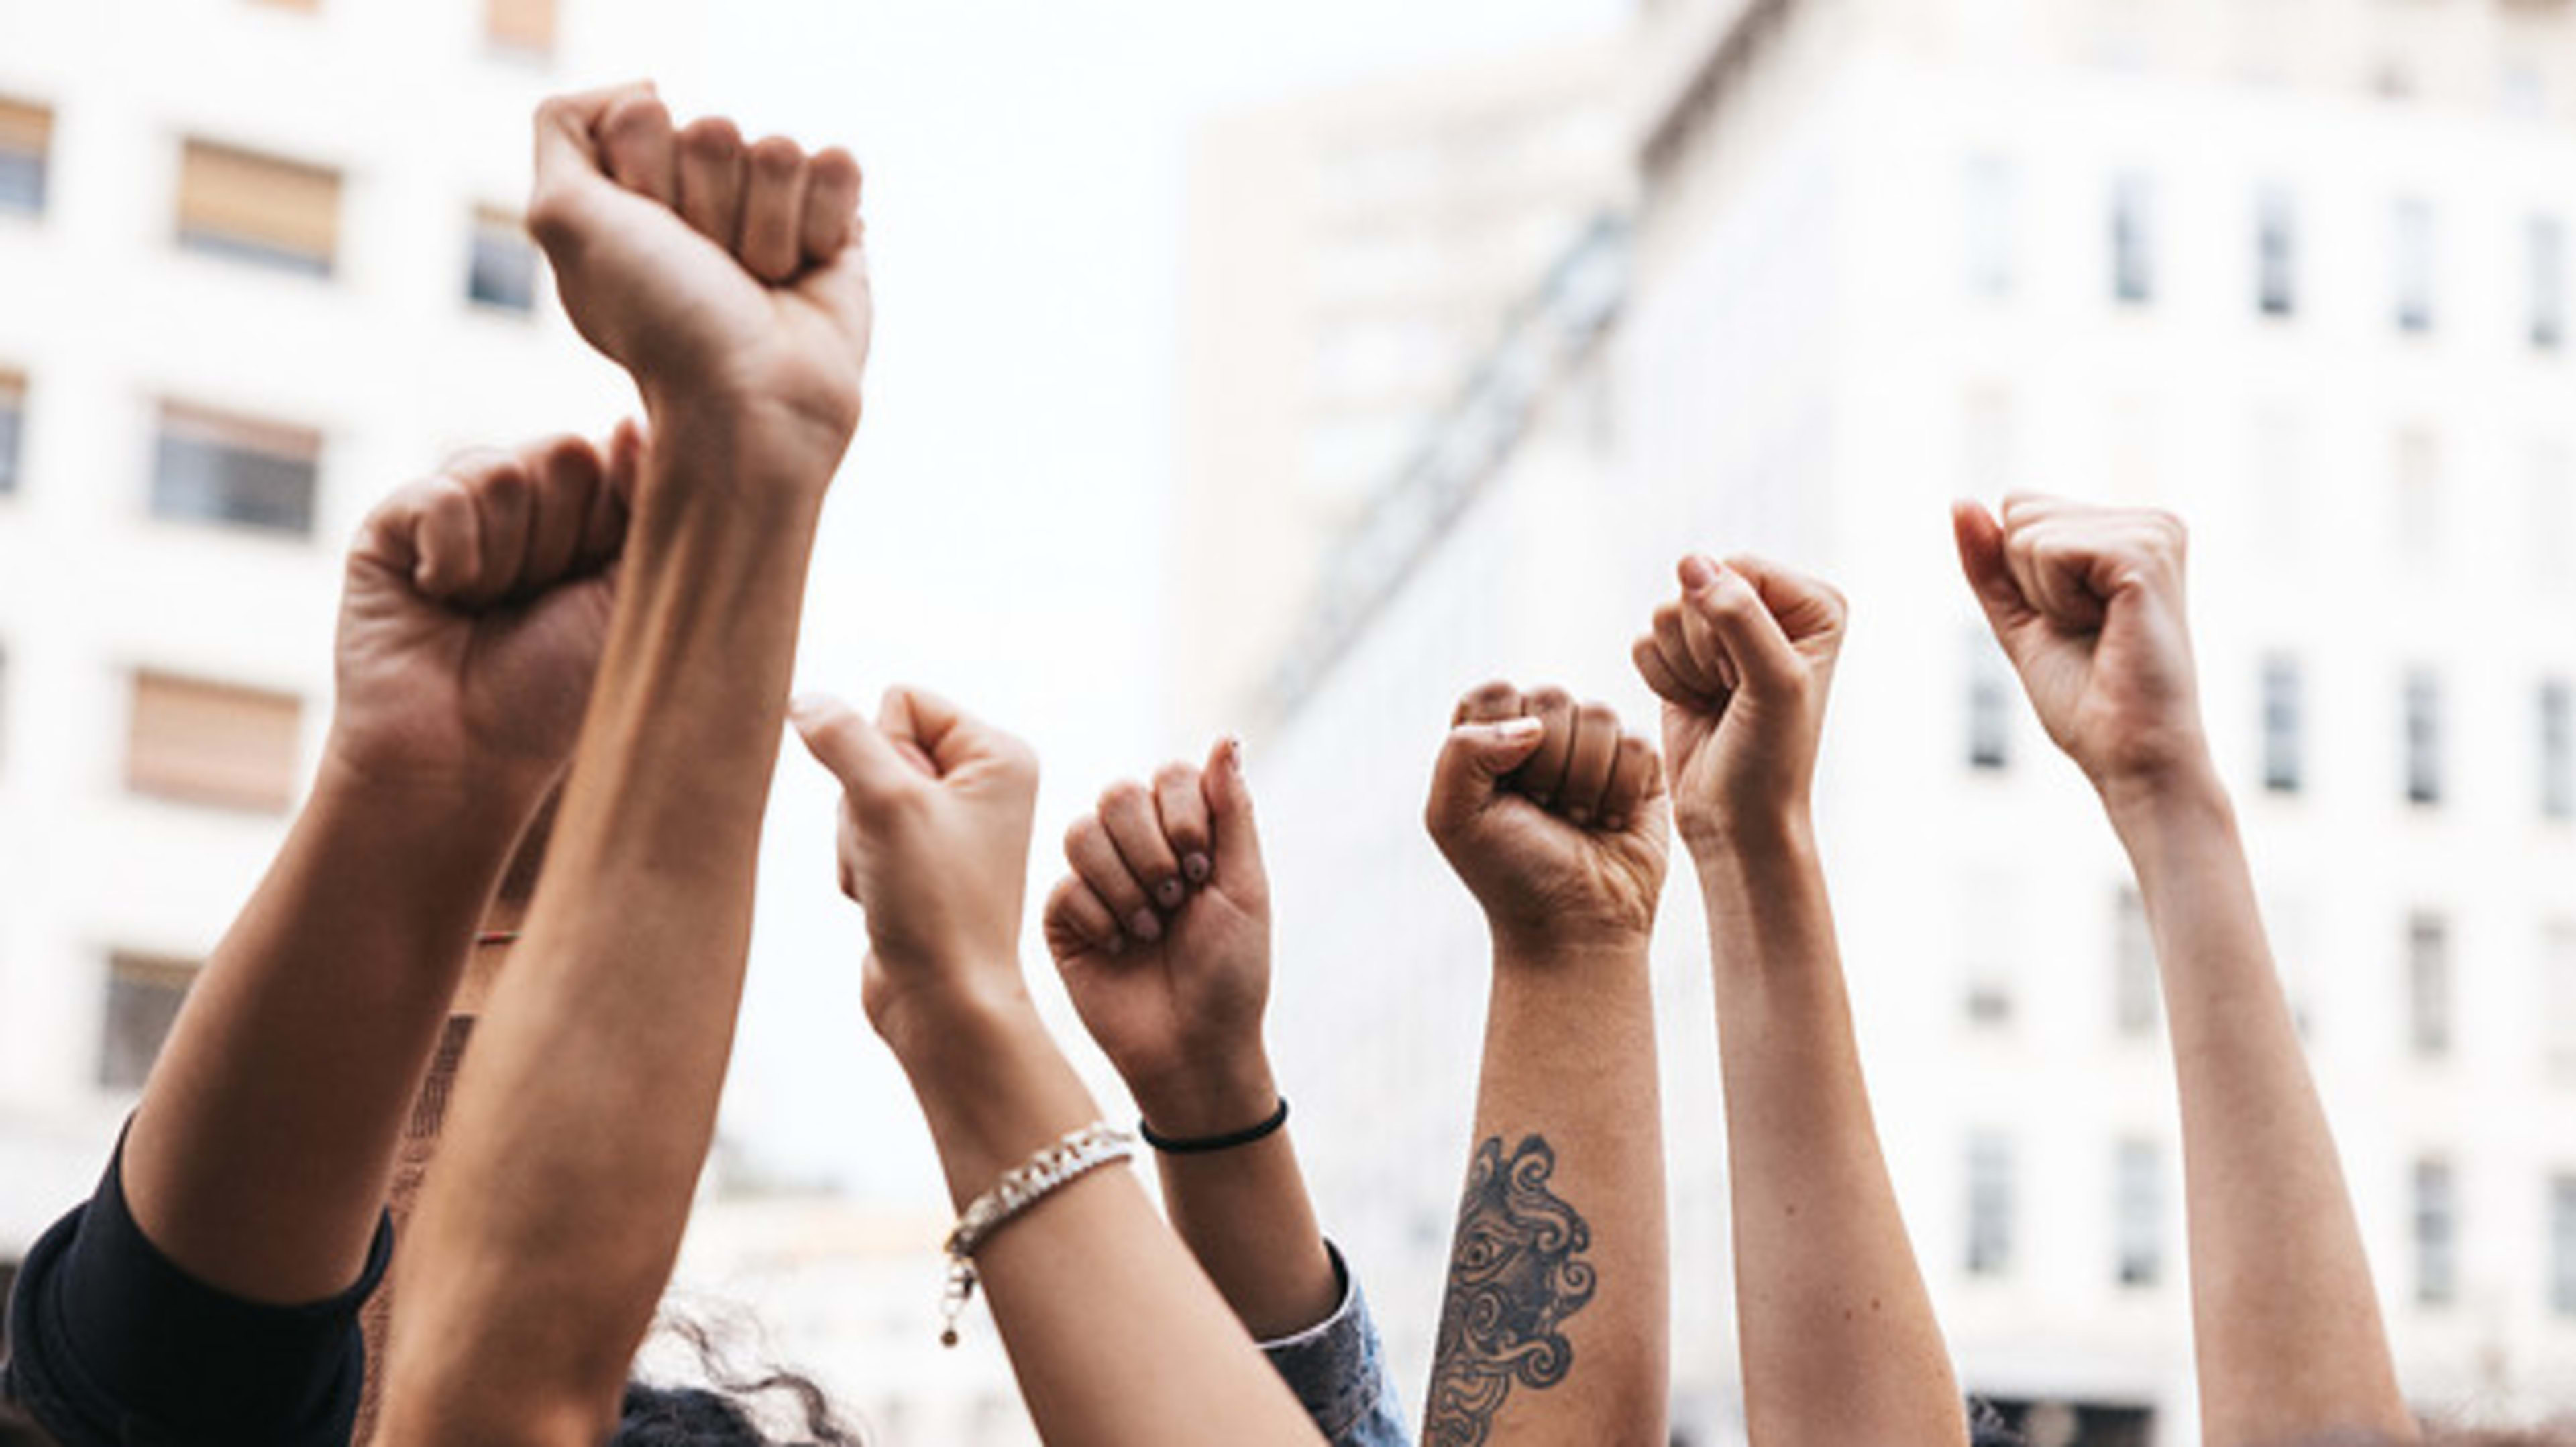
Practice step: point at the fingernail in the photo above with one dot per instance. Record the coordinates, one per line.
(1698, 572)
(1613, 823)
(1234, 753)
(1117, 944)
(1145, 927)
(1513, 730)
(1579, 815)
(1197, 867)
(1168, 894)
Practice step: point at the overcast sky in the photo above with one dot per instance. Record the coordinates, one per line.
(996, 535)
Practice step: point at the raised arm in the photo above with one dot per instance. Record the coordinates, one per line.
(2088, 604)
(1839, 1341)
(1114, 1334)
(1162, 935)
(1555, 1324)
(582, 1118)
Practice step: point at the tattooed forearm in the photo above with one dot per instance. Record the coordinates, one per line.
(1516, 1272)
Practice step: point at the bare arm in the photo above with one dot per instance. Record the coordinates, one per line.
(2088, 603)
(472, 619)
(1839, 1339)
(1115, 1336)
(1162, 934)
(1554, 1326)
(582, 1119)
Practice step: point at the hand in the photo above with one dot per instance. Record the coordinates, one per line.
(1553, 818)
(474, 612)
(934, 845)
(2088, 604)
(703, 266)
(1743, 663)
(1162, 934)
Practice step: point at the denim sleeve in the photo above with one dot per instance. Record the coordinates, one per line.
(1338, 1371)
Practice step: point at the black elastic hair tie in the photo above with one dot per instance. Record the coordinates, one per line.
(1209, 1144)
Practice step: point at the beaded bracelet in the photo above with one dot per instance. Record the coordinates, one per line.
(1078, 1154)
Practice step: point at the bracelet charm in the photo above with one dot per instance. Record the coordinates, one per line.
(1077, 1154)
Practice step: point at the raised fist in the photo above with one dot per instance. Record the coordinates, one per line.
(708, 268)
(1162, 933)
(1743, 662)
(1553, 817)
(934, 845)
(2088, 604)
(475, 608)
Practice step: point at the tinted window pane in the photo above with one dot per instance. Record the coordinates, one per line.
(143, 997)
(502, 270)
(209, 468)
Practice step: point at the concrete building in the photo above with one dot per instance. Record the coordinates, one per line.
(2298, 269)
(1349, 256)
(258, 267)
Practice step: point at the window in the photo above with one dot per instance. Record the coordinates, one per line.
(2276, 252)
(2546, 240)
(26, 139)
(259, 209)
(1988, 936)
(2428, 985)
(2284, 710)
(200, 742)
(2133, 965)
(2557, 750)
(2558, 999)
(2437, 1267)
(2423, 737)
(2412, 251)
(1990, 1204)
(2419, 494)
(2139, 1202)
(501, 265)
(143, 997)
(218, 468)
(523, 26)
(1993, 198)
(13, 427)
(2133, 241)
(1989, 702)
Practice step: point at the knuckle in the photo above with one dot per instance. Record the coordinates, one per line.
(1122, 797)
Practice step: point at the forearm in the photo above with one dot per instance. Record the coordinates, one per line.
(579, 1130)
(1114, 1335)
(1555, 1321)
(1244, 1212)
(1840, 1342)
(259, 1157)
(2285, 1321)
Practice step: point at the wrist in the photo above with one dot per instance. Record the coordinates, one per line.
(486, 799)
(954, 1022)
(751, 437)
(1732, 840)
(1208, 1102)
(2184, 785)
(1569, 952)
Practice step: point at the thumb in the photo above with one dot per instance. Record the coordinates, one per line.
(1476, 759)
(1234, 841)
(842, 740)
(568, 154)
(1981, 557)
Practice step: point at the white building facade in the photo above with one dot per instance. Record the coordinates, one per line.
(255, 272)
(2298, 270)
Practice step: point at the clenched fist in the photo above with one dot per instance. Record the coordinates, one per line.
(1743, 662)
(2088, 604)
(474, 611)
(934, 844)
(1554, 818)
(707, 267)
(1162, 934)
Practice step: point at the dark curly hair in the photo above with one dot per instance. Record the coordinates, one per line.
(720, 1413)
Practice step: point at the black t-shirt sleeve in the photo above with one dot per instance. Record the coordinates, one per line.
(113, 1345)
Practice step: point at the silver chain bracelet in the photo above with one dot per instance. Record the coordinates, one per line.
(1078, 1154)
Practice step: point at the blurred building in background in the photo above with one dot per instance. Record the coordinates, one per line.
(2298, 269)
(1348, 257)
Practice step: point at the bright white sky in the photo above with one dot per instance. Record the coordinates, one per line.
(997, 536)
